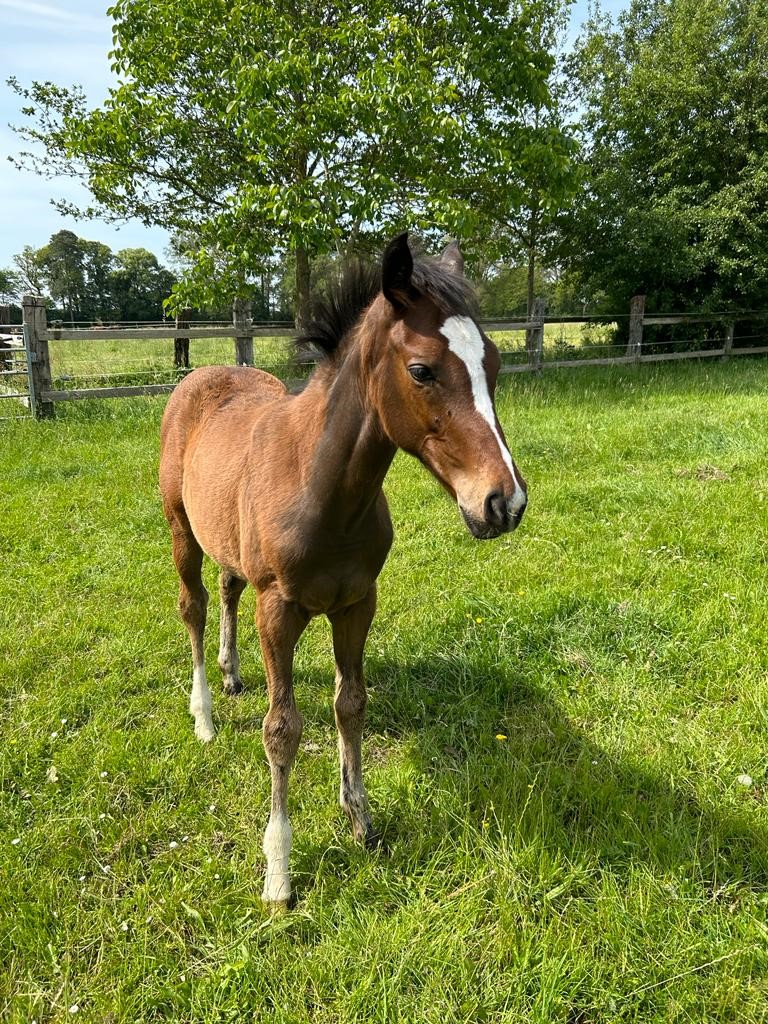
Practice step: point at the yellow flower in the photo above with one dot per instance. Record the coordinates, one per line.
(500, 736)
(478, 619)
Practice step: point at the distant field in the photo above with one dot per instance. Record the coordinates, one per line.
(566, 749)
(151, 361)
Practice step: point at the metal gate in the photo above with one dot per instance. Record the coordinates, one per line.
(17, 398)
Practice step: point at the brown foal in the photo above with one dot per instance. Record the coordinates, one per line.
(285, 492)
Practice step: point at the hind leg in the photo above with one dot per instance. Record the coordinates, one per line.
(193, 605)
(230, 589)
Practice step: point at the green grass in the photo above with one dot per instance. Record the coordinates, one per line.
(600, 864)
(107, 362)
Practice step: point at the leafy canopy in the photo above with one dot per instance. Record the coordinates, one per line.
(676, 158)
(309, 126)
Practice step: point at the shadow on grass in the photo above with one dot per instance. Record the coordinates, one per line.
(545, 785)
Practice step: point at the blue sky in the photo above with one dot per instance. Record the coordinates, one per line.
(66, 42)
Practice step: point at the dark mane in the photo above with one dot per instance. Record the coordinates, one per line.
(336, 311)
(452, 293)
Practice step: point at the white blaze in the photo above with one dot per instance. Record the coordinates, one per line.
(466, 342)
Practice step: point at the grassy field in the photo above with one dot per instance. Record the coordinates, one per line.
(566, 750)
(97, 363)
(101, 363)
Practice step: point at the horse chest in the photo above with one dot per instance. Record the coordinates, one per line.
(332, 575)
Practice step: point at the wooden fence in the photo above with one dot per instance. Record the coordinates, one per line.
(43, 396)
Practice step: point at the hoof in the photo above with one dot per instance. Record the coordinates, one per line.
(232, 687)
(277, 908)
(363, 831)
(204, 733)
(203, 726)
(372, 840)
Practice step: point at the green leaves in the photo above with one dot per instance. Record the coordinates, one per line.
(676, 125)
(271, 127)
(88, 281)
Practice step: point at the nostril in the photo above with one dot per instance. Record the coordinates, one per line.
(496, 510)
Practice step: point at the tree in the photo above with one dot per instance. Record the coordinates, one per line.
(29, 270)
(139, 285)
(675, 203)
(10, 285)
(505, 292)
(62, 262)
(98, 264)
(541, 172)
(304, 127)
(89, 282)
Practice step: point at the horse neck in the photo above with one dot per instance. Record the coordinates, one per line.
(350, 456)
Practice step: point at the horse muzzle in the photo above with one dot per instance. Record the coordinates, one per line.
(501, 514)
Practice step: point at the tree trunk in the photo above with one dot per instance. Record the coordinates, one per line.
(531, 281)
(303, 271)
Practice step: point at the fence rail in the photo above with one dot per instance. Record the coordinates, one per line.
(43, 395)
(161, 333)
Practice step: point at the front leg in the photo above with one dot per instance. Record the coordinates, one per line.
(280, 626)
(350, 629)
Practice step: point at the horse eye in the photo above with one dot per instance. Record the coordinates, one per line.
(420, 373)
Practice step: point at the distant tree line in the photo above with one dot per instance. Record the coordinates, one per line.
(86, 281)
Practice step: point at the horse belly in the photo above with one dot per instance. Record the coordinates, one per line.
(210, 494)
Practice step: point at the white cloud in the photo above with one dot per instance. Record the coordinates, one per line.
(30, 14)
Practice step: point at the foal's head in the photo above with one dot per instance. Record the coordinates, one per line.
(434, 386)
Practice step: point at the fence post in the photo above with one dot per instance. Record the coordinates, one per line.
(729, 340)
(241, 316)
(636, 314)
(534, 335)
(38, 357)
(181, 345)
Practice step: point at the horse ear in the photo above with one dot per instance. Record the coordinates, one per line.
(396, 270)
(452, 259)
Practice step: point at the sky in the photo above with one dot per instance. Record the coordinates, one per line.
(67, 42)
